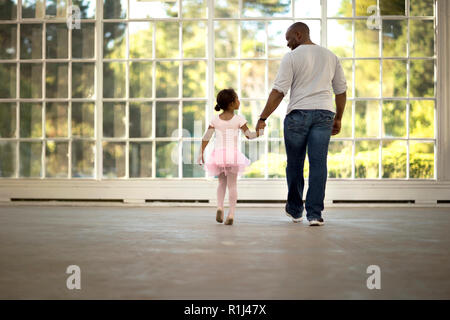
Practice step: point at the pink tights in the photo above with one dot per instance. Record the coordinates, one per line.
(229, 180)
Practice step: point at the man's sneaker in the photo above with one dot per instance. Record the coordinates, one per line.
(294, 219)
(316, 222)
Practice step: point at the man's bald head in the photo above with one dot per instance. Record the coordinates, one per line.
(297, 34)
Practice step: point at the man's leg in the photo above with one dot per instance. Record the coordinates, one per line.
(295, 137)
(318, 141)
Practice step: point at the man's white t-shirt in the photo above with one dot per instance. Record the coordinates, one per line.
(311, 72)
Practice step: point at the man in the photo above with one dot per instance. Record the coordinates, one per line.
(311, 72)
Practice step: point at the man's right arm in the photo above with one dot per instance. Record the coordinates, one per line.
(340, 100)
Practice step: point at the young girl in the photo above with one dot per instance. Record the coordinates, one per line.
(226, 161)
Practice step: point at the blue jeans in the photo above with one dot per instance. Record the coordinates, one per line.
(302, 129)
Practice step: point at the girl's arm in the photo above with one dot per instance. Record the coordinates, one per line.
(205, 140)
(249, 134)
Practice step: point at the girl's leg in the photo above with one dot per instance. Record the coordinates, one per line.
(232, 195)
(221, 189)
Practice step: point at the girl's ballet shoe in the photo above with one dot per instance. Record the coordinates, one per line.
(229, 221)
(219, 215)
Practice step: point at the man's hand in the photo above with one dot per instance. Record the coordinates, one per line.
(260, 125)
(336, 127)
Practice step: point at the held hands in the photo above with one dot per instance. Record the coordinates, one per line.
(260, 125)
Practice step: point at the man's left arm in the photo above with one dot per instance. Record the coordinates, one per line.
(273, 102)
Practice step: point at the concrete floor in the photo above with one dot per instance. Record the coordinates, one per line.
(182, 253)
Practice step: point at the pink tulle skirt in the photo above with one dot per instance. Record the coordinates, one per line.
(226, 160)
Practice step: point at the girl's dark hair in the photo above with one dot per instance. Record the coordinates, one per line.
(224, 98)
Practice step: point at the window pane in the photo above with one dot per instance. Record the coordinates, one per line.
(366, 159)
(255, 151)
(307, 9)
(394, 159)
(114, 119)
(251, 110)
(7, 120)
(194, 118)
(421, 78)
(277, 44)
(56, 8)
(167, 43)
(113, 159)
(153, 9)
(114, 79)
(114, 43)
(140, 159)
(394, 38)
(421, 114)
(392, 7)
(394, 78)
(347, 66)
(8, 10)
(225, 75)
(275, 127)
(56, 162)
(339, 8)
(31, 80)
(141, 39)
(191, 169)
(30, 159)
(194, 39)
(8, 73)
(166, 119)
(367, 78)
(421, 7)
(30, 120)
(115, 9)
(226, 8)
(194, 79)
(7, 159)
(340, 159)
(394, 119)
(57, 40)
(253, 38)
(56, 80)
(30, 41)
(83, 115)
(346, 122)
(83, 41)
(141, 79)
(340, 39)
(140, 120)
(367, 119)
(83, 157)
(8, 39)
(167, 79)
(274, 66)
(421, 160)
(421, 35)
(33, 9)
(366, 40)
(87, 8)
(83, 80)
(365, 7)
(194, 8)
(266, 8)
(252, 79)
(226, 39)
(56, 118)
(276, 159)
(166, 159)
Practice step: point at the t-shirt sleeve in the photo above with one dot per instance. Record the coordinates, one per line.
(339, 83)
(285, 75)
(242, 121)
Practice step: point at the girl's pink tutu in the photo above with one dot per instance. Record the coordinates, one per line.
(226, 160)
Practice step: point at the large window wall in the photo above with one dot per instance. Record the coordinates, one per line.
(130, 92)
